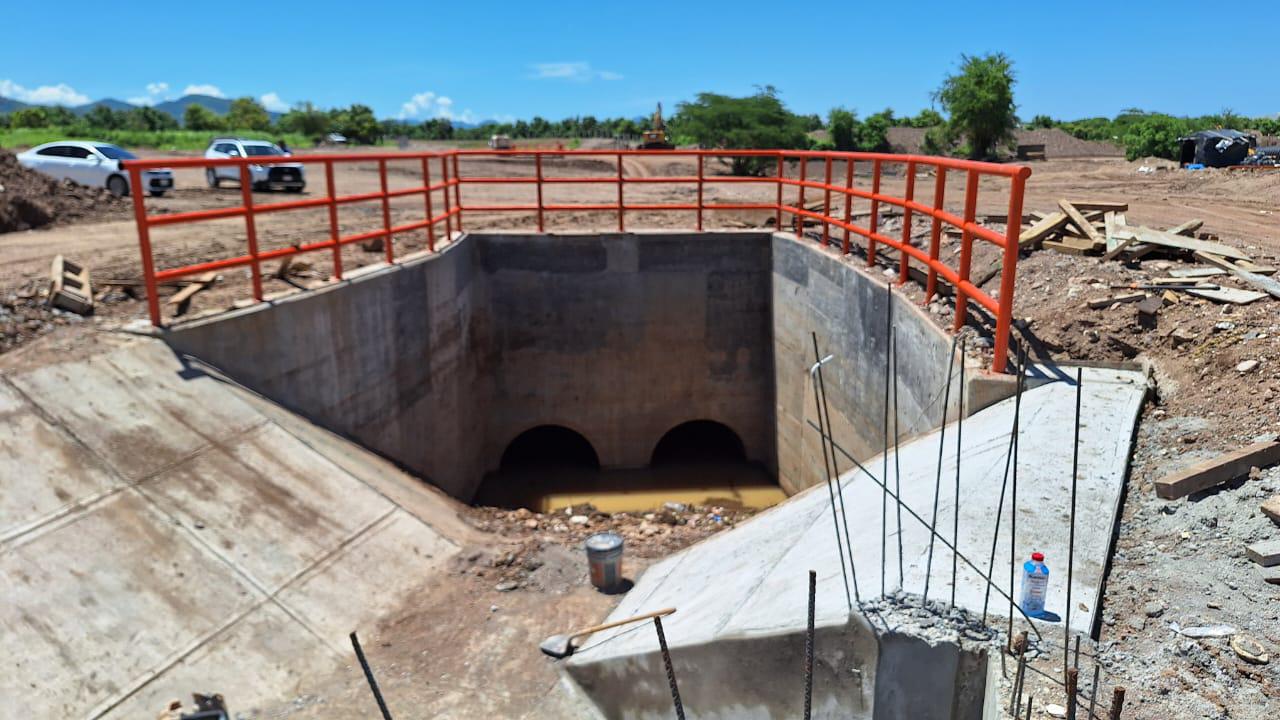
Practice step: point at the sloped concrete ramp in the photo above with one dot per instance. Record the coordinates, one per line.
(741, 595)
(164, 532)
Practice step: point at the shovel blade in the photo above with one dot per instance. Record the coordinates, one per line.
(557, 646)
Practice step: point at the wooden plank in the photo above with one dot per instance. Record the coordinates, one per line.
(182, 298)
(1271, 508)
(1187, 228)
(1217, 471)
(1099, 303)
(1070, 246)
(1229, 295)
(1265, 553)
(1116, 248)
(1159, 237)
(1037, 232)
(1077, 219)
(1102, 205)
(1265, 284)
(1197, 273)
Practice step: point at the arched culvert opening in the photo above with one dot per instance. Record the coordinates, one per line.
(699, 441)
(549, 446)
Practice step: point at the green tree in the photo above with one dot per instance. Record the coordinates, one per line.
(60, 116)
(926, 118)
(1040, 122)
(873, 134)
(248, 114)
(979, 100)
(359, 124)
(437, 129)
(756, 121)
(199, 117)
(102, 116)
(841, 124)
(305, 119)
(1156, 135)
(29, 117)
(148, 118)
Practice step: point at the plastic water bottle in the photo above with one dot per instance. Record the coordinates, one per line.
(1035, 582)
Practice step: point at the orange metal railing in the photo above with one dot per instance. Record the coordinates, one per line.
(440, 177)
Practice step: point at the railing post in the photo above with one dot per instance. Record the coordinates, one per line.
(386, 213)
(799, 218)
(700, 159)
(1008, 270)
(448, 211)
(904, 259)
(966, 247)
(621, 212)
(144, 245)
(250, 227)
(873, 222)
(457, 190)
(537, 163)
(935, 233)
(826, 205)
(426, 185)
(333, 220)
(782, 168)
(848, 201)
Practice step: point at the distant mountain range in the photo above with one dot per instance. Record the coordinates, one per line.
(174, 108)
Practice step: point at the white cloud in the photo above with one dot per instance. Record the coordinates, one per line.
(155, 93)
(272, 102)
(429, 105)
(60, 94)
(206, 89)
(574, 71)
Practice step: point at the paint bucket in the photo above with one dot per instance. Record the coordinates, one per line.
(604, 558)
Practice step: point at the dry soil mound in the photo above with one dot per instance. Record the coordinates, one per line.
(29, 199)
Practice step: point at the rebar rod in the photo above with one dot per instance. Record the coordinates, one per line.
(1117, 702)
(1016, 695)
(937, 484)
(884, 455)
(955, 514)
(1093, 690)
(933, 532)
(1004, 485)
(826, 467)
(1013, 515)
(897, 465)
(835, 469)
(1031, 699)
(368, 675)
(808, 648)
(671, 673)
(1071, 541)
(1075, 661)
(1073, 681)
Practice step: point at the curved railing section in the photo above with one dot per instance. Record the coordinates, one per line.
(444, 209)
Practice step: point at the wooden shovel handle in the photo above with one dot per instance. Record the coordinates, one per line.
(624, 621)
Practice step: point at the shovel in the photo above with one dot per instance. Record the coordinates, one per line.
(561, 646)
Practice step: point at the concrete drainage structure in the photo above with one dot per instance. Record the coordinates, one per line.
(438, 362)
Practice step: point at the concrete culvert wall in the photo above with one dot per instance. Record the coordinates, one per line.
(440, 362)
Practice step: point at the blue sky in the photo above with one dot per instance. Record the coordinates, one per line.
(556, 59)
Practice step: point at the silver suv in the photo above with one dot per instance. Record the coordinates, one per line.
(277, 176)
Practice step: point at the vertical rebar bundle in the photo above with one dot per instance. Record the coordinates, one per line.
(1004, 486)
(828, 462)
(1071, 540)
(955, 524)
(884, 456)
(937, 483)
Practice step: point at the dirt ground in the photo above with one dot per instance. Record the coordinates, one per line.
(1186, 555)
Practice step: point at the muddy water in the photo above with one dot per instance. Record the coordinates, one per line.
(548, 488)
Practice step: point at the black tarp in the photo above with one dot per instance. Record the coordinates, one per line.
(1215, 148)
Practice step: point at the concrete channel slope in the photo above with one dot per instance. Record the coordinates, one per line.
(164, 532)
(738, 589)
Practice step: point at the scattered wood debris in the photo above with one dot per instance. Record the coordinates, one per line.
(1265, 553)
(1271, 508)
(182, 298)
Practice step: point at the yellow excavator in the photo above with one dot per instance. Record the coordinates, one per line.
(656, 138)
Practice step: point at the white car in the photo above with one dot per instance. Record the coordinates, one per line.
(95, 164)
(282, 176)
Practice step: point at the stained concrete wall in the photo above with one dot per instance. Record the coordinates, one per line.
(439, 362)
(819, 290)
(621, 337)
(387, 357)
